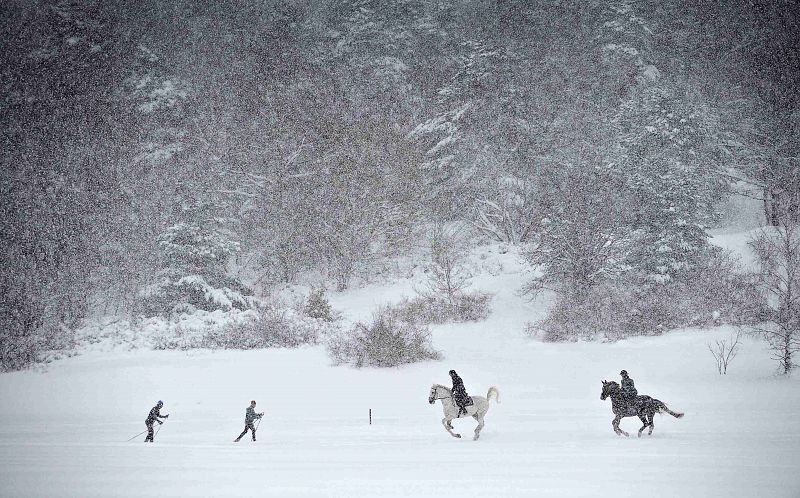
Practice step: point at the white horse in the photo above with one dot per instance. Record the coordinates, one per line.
(477, 410)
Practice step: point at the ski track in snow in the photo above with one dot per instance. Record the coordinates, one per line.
(63, 429)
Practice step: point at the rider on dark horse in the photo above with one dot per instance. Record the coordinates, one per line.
(627, 389)
(460, 395)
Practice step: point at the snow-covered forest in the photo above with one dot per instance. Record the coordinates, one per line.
(534, 192)
(167, 157)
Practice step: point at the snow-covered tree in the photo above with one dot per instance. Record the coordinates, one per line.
(448, 276)
(195, 274)
(778, 253)
(580, 241)
(317, 306)
(667, 170)
(506, 210)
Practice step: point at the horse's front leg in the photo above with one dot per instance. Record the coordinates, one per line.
(448, 427)
(480, 426)
(651, 417)
(615, 425)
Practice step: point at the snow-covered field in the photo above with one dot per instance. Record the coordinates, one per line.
(63, 429)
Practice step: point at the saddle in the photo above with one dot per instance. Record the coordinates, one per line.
(637, 403)
(467, 402)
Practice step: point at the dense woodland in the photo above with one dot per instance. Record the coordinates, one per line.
(149, 147)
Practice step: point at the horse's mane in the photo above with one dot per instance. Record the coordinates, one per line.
(443, 387)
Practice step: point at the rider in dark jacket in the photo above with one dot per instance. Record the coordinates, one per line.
(154, 416)
(627, 389)
(460, 395)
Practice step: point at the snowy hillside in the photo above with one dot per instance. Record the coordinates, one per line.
(63, 429)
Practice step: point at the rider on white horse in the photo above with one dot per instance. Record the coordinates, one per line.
(460, 395)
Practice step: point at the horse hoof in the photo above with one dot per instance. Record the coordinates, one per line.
(458, 436)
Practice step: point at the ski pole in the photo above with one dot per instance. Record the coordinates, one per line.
(131, 439)
(259, 422)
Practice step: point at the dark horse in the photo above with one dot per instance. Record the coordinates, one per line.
(643, 407)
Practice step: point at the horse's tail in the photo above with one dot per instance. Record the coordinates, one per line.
(661, 407)
(494, 390)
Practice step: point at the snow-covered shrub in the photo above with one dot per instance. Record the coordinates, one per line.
(318, 306)
(266, 327)
(465, 307)
(720, 292)
(715, 293)
(273, 327)
(471, 307)
(388, 341)
(570, 319)
(189, 330)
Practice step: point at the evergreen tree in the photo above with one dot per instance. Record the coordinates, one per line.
(196, 253)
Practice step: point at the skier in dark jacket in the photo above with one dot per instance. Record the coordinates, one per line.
(460, 395)
(154, 416)
(249, 416)
(628, 390)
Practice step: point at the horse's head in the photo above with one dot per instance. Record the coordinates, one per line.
(438, 391)
(608, 389)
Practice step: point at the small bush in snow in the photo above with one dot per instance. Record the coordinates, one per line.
(464, 307)
(274, 327)
(724, 351)
(317, 306)
(263, 328)
(388, 342)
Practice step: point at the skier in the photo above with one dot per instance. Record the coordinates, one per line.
(628, 390)
(249, 416)
(154, 416)
(460, 395)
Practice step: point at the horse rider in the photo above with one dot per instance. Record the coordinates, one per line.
(154, 416)
(628, 390)
(460, 395)
(249, 416)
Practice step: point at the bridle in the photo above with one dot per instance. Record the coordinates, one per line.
(436, 390)
(609, 391)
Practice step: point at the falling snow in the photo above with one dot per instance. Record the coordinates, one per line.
(328, 204)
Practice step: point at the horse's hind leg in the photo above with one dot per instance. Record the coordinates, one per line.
(645, 423)
(479, 418)
(448, 427)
